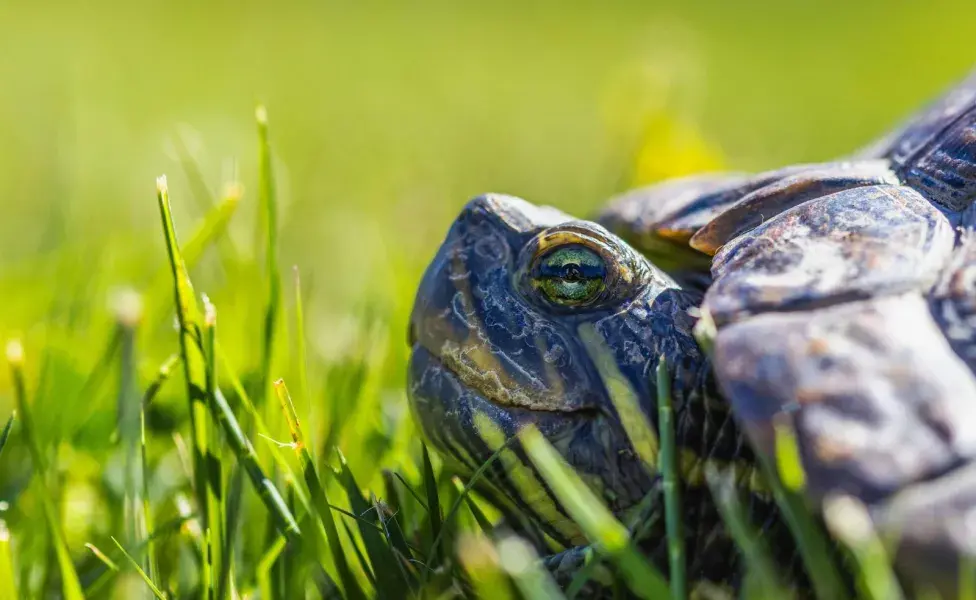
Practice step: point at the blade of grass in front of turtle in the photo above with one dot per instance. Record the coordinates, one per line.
(522, 564)
(667, 466)
(759, 564)
(479, 516)
(6, 431)
(635, 421)
(596, 521)
(436, 546)
(190, 339)
(848, 520)
(319, 497)
(388, 583)
(8, 581)
(195, 374)
(149, 582)
(480, 562)
(70, 584)
(815, 549)
(433, 506)
(268, 201)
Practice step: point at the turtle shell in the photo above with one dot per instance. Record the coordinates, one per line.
(844, 296)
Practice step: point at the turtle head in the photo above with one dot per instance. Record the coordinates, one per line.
(528, 316)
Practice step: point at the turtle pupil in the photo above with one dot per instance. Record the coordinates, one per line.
(573, 273)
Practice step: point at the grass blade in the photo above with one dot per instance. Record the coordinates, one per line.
(268, 201)
(149, 582)
(815, 548)
(668, 467)
(519, 560)
(195, 370)
(759, 563)
(850, 522)
(6, 431)
(433, 506)
(8, 583)
(596, 521)
(379, 553)
(481, 562)
(319, 497)
(70, 585)
(479, 516)
(108, 562)
(211, 227)
(214, 535)
(195, 374)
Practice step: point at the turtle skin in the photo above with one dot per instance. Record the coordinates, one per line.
(844, 296)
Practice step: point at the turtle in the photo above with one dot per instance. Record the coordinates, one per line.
(841, 299)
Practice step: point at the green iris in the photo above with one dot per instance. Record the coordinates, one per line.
(571, 275)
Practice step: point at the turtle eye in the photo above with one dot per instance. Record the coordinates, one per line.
(570, 275)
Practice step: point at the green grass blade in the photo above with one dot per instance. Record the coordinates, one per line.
(388, 584)
(519, 560)
(162, 376)
(480, 562)
(759, 563)
(479, 516)
(668, 467)
(812, 542)
(108, 562)
(433, 506)
(268, 200)
(435, 546)
(149, 582)
(214, 535)
(850, 523)
(212, 227)
(319, 497)
(128, 314)
(195, 371)
(360, 557)
(70, 585)
(596, 521)
(5, 434)
(194, 365)
(301, 357)
(8, 581)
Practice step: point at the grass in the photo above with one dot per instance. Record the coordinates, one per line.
(148, 424)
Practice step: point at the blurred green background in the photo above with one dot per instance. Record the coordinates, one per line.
(385, 118)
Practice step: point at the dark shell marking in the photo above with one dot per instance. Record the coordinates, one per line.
(853, 244)
(876, 397)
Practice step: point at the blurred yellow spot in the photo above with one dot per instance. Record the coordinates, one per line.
(673, 147)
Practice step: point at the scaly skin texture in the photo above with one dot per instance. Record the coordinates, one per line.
(492, 354)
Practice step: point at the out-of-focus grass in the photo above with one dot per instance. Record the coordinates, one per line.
(386, 118)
